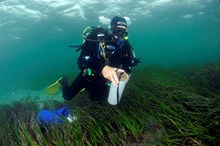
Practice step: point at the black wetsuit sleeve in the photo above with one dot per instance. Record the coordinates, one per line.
(128, 57)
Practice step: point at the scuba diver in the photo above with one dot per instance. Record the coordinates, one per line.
(105, 53)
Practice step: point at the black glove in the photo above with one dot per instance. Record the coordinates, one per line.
(135, 61)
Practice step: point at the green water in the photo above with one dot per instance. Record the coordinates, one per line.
(34, 36)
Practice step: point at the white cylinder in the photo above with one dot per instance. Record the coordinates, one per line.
(115, 92)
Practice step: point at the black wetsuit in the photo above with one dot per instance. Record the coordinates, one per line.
(117, 53)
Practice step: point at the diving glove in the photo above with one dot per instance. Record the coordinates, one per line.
(135, 61)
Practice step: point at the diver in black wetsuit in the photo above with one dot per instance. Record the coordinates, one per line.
(103, 54)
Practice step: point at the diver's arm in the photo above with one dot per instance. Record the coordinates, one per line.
(110, 73)
(129, 59)
(132, 58)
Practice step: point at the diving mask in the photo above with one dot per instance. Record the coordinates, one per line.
(119, 32)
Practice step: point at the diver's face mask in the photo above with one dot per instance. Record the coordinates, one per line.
(119, 32)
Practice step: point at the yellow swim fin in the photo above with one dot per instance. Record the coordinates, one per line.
(53, 88)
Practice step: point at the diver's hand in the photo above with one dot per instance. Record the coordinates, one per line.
(135, 61)
(111, 74)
